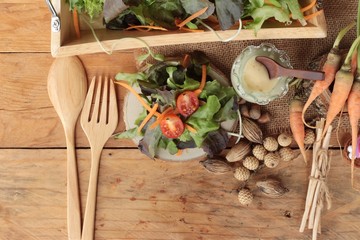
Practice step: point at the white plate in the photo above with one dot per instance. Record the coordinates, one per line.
(133, 108)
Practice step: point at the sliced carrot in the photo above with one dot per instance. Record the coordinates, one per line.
(161, 117)
(139, 27)
(76, 23)
(203, 80)
(310, 16)
(192, 17)
(141, 100)
(148, 117)
(190, 128)
(309, 6)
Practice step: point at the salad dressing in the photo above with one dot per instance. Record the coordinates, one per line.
(256, 77)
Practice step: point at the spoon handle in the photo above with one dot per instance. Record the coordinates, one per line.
(303, 74)
(73, 196)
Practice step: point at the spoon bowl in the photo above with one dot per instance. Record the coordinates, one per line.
(276, 70)
(67, 87)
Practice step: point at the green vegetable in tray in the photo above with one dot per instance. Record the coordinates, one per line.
(121, 14)
(93, 8)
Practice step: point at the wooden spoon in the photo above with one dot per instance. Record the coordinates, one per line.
(67, 87)
(276, 70)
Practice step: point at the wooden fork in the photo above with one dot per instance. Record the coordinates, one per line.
(98, 123)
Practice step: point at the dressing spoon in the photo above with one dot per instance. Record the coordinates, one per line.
(276, 70)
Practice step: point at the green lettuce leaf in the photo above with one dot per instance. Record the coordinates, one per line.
(192, 7)
(93, 8)
(294, 7)
(226, 112)
(128, 134)
(223, 93)
(164, 12)
(131, 78)
(169, 145)
(207, 111)
(260, 15)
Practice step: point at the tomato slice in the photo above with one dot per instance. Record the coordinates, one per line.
(187, 103)
(172, 126)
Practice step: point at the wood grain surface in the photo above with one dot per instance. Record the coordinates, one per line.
(143, 199)
(138, 198)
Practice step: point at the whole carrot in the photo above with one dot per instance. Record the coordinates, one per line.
(343, 82)
(331, 66)
(296, 124)
(353, 104)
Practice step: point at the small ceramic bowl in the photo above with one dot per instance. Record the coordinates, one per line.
(347, 156)
(237, 74)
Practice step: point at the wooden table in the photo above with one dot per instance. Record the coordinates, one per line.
(137, 198)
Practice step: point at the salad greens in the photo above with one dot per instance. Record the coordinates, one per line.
(93, 8)
(162, 83)
(120, 14)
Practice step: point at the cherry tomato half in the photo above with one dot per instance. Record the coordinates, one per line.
(172, 126)
(187, 103)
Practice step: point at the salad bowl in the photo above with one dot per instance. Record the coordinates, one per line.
(133, 109)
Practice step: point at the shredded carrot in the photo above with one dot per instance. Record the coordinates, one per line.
(310, 16)
(203, 80)
(191, 30)
(76, 23)
(139, 27)
(190, 128)
(141, 100)
(309, 6)
(186, 61)
(179, 152)
(161, 117)
(192, 17)
(148, 117)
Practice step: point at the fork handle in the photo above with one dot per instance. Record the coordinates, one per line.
(89, 217)
(73, 196)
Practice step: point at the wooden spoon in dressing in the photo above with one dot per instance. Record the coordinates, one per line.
(276, 70)
(67, 87)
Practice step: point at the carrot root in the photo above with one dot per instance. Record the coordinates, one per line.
(354, 116)
(342, 86)
(296, 125)
(330, 68)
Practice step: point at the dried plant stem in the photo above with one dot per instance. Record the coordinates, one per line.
(317, 189)
(309, 196)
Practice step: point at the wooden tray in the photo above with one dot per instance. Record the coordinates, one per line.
(65, 43)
